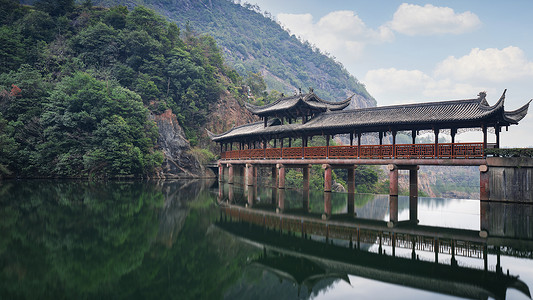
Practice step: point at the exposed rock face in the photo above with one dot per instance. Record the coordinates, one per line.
(179, 161)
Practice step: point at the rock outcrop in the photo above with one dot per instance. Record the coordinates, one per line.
(178, 162)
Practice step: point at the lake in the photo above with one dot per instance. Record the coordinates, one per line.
(194, 239)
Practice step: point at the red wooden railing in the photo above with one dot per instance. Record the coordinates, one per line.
(400, 151)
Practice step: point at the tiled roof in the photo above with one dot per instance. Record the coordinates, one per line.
(310, 100)
(443, 114)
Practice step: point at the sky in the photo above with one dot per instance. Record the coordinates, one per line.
(421, 51)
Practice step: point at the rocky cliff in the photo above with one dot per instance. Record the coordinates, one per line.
(178, 162)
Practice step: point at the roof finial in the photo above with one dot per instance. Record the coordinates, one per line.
(310, 89)
(482, 97)
(300, 89)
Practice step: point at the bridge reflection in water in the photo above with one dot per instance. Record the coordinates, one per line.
(305, 244)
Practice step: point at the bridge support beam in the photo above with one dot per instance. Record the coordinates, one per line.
(393, 194)
(327, 177)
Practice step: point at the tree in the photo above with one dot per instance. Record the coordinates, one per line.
(55, 8)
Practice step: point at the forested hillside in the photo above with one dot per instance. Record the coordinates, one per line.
(253, 43)
(78, 85)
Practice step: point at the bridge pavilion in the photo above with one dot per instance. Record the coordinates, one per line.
(268, 143)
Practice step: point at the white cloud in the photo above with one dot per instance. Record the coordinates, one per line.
(489, 70)
(487, 65)
(341, 33)
(413, 19)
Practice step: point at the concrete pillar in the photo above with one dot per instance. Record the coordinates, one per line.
(393, 193)
(351, 180)
(351, 191)
(484, 188)
(327, 177)
(249, 168)
(255, 175)
(306, 171)
(281, 176)
(413, 194)
(274, 176)
(220, 172)
(230, 174)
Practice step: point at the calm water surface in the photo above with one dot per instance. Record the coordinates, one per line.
(196, 240)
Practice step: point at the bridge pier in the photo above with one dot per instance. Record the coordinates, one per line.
(230, 174)
(281, 177)
(351, 190)
(327, 177)
(306, 174)
(393, 194)
(220, 172)
(413, 194)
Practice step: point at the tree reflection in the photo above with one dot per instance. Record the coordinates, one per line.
(72, 238)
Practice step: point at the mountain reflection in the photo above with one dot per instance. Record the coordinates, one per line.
(186, 240)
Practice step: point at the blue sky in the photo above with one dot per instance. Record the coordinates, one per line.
(406, 52)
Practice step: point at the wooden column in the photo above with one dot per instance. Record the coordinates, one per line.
(436, 142)
(393, 194)
(381, 138)
(327, 177)
(413, 136)
(327, 145)
(497, 129)
(453, 132)
(358, 145)
(484, 128)
(413, 194)
(351, 138)
(394, 144)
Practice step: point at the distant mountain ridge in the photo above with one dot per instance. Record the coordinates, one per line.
(252, 42)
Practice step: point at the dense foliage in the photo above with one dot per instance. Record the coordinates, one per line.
(253, 42)
(510, 152)
(77, 84)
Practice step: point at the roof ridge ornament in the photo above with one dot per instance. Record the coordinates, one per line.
(482, 97)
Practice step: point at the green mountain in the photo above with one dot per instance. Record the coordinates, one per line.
(93, 92)
(252, 42)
